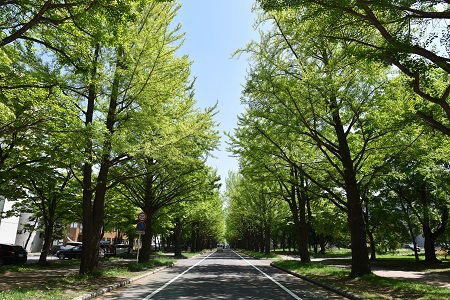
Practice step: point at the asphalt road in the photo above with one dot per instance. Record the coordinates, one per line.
(220, 275)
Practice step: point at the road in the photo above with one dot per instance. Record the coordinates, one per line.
(220, 275)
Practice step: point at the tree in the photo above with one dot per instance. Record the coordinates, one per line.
(409, 35)
(203, 221)
(163, 185)
(330, 103)
(329, 226)
(255, 208)
(385, 223)
(50, 197)
(419, 183)
(38, 167)
(20, 17)
(28, 81)
(117, 73)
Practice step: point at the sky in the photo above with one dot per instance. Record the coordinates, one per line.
(214, 30)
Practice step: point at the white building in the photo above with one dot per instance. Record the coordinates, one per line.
(11, 230)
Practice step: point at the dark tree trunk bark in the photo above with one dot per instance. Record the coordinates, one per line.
(194, 247)
(373, 254)
(178, 237)
(298, 211)
(430, 240)
(322, 244)
(48, 234)
(360, 258)
(93, 213)
(303, 236)
(266, 238)
(88, 263)
(430, 236)
(145, 252)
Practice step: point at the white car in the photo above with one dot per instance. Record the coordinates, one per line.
(219, 247)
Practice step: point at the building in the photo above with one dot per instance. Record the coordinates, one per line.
(12, 229)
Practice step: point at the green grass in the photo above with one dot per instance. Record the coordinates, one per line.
(259, 255)
(191, 254)
(153, 263)
(54, 264)
(369, 286)
(21, 294)
(67, 287)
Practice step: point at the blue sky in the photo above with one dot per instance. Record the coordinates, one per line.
(214, 30)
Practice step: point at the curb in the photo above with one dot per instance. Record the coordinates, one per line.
(336, 290)
(123, 283)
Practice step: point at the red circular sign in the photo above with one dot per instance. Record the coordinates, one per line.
(142, 216)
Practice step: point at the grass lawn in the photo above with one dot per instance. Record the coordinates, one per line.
(60, 280)
(373, 286)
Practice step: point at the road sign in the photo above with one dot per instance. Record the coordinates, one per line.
(142, 216)
(140, 232)
(141, 226)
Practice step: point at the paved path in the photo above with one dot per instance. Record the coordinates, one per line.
(422, 277)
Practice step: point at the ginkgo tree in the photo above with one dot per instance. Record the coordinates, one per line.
(331, 102)
(417, 184)
(410, 35)
(126, 92)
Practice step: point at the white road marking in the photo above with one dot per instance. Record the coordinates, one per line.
(172, 280)
(273, 280)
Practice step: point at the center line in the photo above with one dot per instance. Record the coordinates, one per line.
(273, 280)
(173, 279)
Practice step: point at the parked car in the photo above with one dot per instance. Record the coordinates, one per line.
(121, 249)
(12, 254)
(75, 252)
(107, 247)
(55, 249)
(73, 244)
(69, 253)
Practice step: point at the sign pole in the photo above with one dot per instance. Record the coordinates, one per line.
(140, 227)
(139, 247)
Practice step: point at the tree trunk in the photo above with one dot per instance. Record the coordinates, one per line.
(430, 240)
(322, 244)
(360, 258)
(145, 251)
(93, 213)
(373, 254)
(303, 236)
(372, 245)
(177, 237)
(193, 239)
(297, 209)
(267, 238)
(87, 262)
(48, 234)
(430, 236)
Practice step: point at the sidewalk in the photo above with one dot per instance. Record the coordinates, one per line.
(440, 280)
